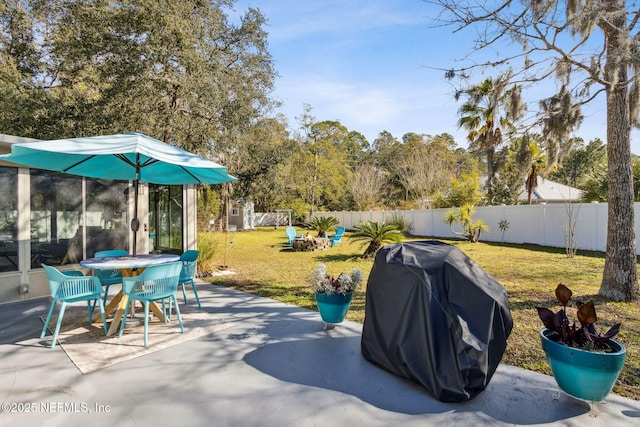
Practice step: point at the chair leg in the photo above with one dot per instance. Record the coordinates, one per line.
(184, 294)
(164, 311)
(58, 323)
(124, 320)
(106, 294)
(104, 298)
(103, 315)
(178, 313)
(168, 315)
(146, 323)
(90, 306)
(46, 322)
(195, 292)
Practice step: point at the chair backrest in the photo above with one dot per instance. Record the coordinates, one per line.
(189, 259)
(190, 255)
(338, 236)
(188, 271)
(291, 232)
(110, 276)
(111, 252)
(64, 286)
(155, 282)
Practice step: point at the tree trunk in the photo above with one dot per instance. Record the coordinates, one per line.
(491, 172)
(371, 250)
(619, 281)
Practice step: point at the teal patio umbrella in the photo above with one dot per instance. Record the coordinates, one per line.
(129, 156)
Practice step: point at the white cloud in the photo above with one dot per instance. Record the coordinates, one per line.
(370, 108)
(299, 19)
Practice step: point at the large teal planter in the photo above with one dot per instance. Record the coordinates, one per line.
(333, 308)
(584, 374)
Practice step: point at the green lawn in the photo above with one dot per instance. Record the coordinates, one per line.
(266, 267)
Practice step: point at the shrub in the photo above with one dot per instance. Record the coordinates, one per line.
(322, 224)
(470, 229)
(208, 247)
(400, 222)
(374, 235)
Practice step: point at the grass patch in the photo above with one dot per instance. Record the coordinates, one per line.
(265, 266)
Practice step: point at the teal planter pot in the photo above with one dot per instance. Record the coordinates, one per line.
(333, 308)
(584, 374)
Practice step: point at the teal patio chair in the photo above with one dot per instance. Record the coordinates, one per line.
(69, 287)
(156, 283)
(187, 275)
(109, 277)
(336, 238)
(291, 234)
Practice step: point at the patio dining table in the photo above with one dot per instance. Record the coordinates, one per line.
(130, 265)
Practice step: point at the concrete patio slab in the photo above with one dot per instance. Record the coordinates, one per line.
(277, 366)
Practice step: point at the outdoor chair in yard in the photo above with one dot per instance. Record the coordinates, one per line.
(109, 277)
(68, 287)
(156, 283)
(291, 234)
(336, 238)
(187, 275)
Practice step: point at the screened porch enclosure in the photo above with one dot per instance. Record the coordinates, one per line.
(71, 218)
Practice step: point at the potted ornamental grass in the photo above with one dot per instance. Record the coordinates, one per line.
(333, 294)
(585, 363)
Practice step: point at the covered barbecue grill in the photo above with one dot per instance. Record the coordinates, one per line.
(434, 316)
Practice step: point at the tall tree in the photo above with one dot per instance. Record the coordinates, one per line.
(384, 150)
(560, 116)
(464, 187)
(366, 186)
(489, 112)
(518, 161)
(592, 47)
(582, 163)
(319, 170)
(536, 165)
(176, 70)
(423, 165)
(263, 150)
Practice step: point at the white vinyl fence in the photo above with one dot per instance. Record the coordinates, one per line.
(540, 224)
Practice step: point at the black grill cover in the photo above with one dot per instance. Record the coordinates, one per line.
(434, 316)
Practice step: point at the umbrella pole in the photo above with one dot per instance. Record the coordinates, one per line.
(135, 223)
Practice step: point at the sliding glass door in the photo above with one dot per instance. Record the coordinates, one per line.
(165, 218)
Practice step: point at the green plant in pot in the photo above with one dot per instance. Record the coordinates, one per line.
(333, 294)
(585, 363)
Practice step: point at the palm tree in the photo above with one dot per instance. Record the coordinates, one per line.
(487, 114)
(538, 162)
(322, 224)
(470, 229)
(374, 235)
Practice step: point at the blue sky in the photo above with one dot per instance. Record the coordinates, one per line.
(369, 64)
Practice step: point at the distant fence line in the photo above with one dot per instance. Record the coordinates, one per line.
(540, 224)
(270, 219)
